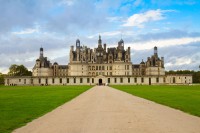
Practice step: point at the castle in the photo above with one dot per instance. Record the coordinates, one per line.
(100, 65)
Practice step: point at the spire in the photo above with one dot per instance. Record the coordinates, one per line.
(99, 42)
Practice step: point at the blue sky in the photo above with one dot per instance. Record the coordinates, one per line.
(172, 25)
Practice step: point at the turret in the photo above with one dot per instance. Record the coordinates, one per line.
(162, 59)
(72, 48)
(41, 52)
(104, 47)
(99, 42)
(77, 43)
(129, 50)
(121, 43)
(155, 51)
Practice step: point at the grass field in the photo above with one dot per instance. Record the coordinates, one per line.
(185, 98)
(19, 105)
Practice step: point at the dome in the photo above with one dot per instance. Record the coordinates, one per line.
(142, 62)
(55, 63)
(122, 41)
(77, 40)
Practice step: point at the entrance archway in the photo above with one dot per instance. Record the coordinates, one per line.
(100, 81)
(149, 81)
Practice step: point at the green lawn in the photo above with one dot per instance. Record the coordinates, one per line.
(185, 98)
(19, 105)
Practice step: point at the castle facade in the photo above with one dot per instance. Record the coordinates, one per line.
(100, 65)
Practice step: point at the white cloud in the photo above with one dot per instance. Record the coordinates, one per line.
(26, 31)
(179, 62)
(111, 33)
(115, 19)
(138, 20)
(164, 43)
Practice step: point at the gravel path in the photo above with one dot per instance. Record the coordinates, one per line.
(106, 110)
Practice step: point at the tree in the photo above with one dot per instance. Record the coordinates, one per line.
(19, 70)
(1, 78)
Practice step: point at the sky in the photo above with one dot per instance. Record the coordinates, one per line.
(171, 25)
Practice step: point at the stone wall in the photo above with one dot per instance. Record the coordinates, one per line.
(112, 80)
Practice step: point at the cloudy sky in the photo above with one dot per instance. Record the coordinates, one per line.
(172, 25)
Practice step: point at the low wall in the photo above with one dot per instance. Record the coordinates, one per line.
(114, 80)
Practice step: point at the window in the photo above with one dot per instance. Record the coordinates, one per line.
(24, 81)
(74, 80)
(46, 81)
(110, 67)
(108, 80)
(142, 80)
(127, 67)
(174, 80)
(110, 73)
(164, 80)
(128, 80)
(53, 81)
(157, 80)
(60, 80)
(96, 67)
(115, 80)
(19, 80)
(135, 80)
(88, 80)
(39, 80)
(92, 80)
(67, 80)
(31, 81)
(99, 67)
(102, 67)
(121, 80)
(81, 80)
